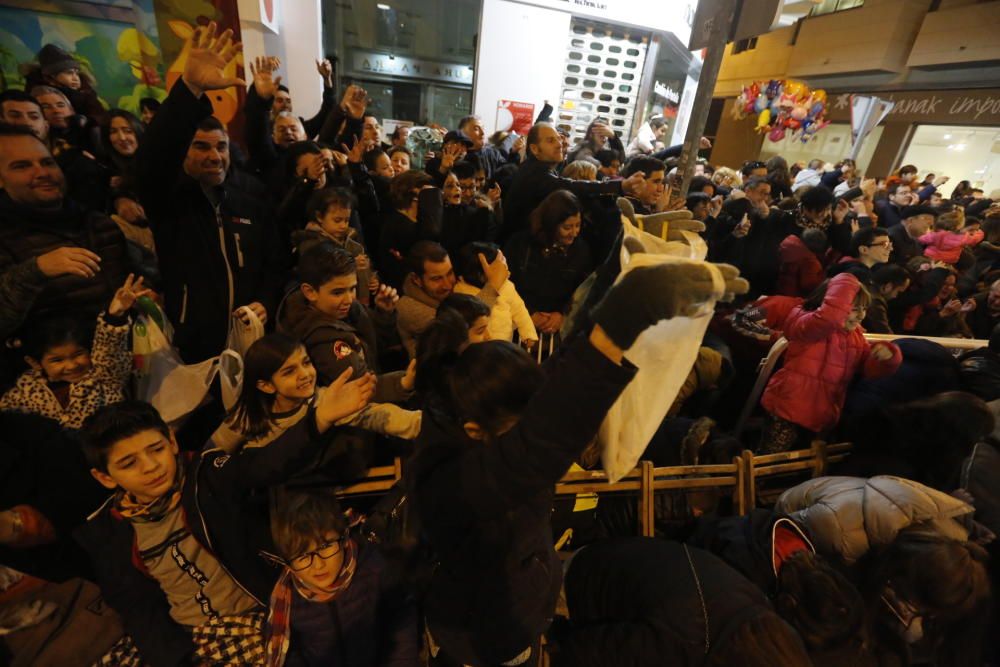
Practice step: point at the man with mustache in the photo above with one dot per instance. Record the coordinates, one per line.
(56, 258)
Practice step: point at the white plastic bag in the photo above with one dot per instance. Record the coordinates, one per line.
(242, 335)
(164, 381)
(230, 377)
(664, 354)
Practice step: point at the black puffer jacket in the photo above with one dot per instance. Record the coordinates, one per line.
(28, 233)
(486, 509)
(641, 601)
(216, 255)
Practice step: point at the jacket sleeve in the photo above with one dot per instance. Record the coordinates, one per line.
(874, 368)
(20, 285)
(877, 319)
(262, 150)
(519, 313)
(140, 602)
(160, 158)
(338, 129)
(581, 189)
(315, 124)
(258, 467)
(813, 326)
(112, 358)
(561, 420)
(925, 192)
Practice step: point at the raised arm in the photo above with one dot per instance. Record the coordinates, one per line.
(165, 144)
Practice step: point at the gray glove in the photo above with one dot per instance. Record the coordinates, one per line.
(648, 294)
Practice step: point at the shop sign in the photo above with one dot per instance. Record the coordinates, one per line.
(952, 107)
(367, 62)
(675, 16)
(515, 116)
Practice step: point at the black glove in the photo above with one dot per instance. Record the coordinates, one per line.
(648, 294)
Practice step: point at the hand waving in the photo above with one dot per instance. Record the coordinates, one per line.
(355, 101)
(264, 81)
(208, 57)
(343, 398)
(127, 295)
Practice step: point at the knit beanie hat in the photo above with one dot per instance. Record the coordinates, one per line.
(54, 60)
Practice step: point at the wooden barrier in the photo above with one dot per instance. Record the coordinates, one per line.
(812, 462)
(964, 344)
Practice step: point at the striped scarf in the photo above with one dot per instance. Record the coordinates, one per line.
(277, 631)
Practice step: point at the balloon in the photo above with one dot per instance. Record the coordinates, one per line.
(799, 113)
(793, 124)
(819, 96)
(817, 109)
(763, 119)
(794, 88)
(754, 90)
(777, 134)
(761, 103)
(804, 125)
(775, 105)
(787, 100)
(772, 89)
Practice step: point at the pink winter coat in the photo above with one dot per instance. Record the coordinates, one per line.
(945, 246)
(822, 359)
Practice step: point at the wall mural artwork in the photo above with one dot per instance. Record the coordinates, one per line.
(115, 41)
(130, 48)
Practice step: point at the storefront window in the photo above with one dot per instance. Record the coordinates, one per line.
(832, 144)
(962, 152)
(414, 57)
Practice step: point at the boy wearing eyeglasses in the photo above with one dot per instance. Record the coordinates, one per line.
(175, 548)
(334, 603)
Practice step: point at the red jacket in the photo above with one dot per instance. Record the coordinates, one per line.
(801, 271)
(821, 360)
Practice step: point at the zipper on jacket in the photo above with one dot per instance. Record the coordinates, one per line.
(184, 303)
(208, 536)
(225, 257)
(239, 251)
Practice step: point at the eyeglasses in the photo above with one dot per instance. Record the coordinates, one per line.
(886, 244)
(904, 612)
(305, 561)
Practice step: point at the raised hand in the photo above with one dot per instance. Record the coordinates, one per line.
(208, 57)
(841, 211)
(451, 154)
(386, 299)
(496, 272)
(127, 295)
(264, 81)
(130, 210)
(355, 152)
(354, 102)
(325, 69)
(343, 398)
(704, 143)
(409, 379)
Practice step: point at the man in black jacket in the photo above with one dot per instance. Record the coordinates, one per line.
(491, 158)
(536, 179)
(215, 231)
(55, 257)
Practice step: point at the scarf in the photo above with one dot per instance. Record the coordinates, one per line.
(805, 223)
(277, 630)
(134, 510)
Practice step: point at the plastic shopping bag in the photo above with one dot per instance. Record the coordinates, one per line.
(664, 354)
(230, 377)
(164, 381)
(242, 335)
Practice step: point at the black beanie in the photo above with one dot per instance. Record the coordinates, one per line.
(53, 60)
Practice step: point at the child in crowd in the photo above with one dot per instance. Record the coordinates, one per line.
(401, 157)
(334, 603)
(337, 331)
(279, 387)
(826, 349)
(461, 320)
(945, 243)
(802, 262)
(75, 370)
(509, 310)
(329, 212)
(175, 547)
(611, 163)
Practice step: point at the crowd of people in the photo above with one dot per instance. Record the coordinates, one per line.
(466, 312)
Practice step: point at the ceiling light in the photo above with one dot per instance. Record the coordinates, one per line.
(947, 136)
(959, 147)
(384, 7)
